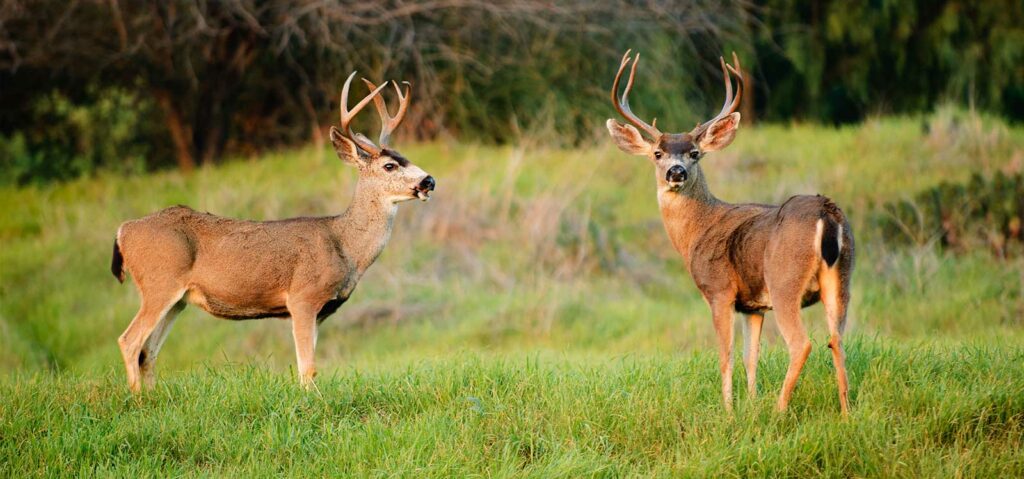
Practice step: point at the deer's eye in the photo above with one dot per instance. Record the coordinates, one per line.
(657, 154)
(695, 154)
(390, 166)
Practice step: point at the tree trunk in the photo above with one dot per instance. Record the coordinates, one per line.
(180, 134)
(314, 123)
(747, 106)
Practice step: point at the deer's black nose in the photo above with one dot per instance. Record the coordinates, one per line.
(428, 184)
(676, 174)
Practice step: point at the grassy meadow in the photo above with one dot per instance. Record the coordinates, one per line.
(531, 319)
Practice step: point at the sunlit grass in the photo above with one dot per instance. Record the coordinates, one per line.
(918, 411)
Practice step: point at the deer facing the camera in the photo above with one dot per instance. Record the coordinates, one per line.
(745, 257)
(298, 268)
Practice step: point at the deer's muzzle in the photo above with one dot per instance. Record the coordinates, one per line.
(425, 187)
(676, 174)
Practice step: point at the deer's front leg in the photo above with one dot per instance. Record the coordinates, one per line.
(751, 351)
(304, 331)
(722, 315)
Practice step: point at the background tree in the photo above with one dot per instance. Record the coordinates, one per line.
(196, 80)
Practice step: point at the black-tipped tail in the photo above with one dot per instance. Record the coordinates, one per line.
(830, 242)
(117, 263)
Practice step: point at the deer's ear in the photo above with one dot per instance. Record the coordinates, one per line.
(627, 138)
(721, 133)
(345, 148)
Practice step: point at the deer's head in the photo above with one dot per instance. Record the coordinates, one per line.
(675, 155)
(381, 169)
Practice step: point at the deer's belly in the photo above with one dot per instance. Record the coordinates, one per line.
(756, 303)
(761, 301)
(238, 307)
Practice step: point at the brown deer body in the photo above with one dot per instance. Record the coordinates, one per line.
(299, 268)
(749, 258)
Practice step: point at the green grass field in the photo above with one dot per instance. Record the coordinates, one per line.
(532, 319)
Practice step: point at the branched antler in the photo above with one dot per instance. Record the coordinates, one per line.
(731, 103)
(728, 107)
(622, 105)
(388, 123)
(348, 115)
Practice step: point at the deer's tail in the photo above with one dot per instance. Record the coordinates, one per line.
(831, 241)
(830, 230)
(117, 262)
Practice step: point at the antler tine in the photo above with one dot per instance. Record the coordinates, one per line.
(731, 103)
(738, 71)
(348, 115)
(727, 79)
(622, 105)
(389, 123)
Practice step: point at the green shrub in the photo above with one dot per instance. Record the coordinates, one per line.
(985, 212)
(68, 138)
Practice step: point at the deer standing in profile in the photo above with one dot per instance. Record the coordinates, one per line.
(745, 257)
(298, 268)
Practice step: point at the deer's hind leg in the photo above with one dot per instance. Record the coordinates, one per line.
(835, 297)
(151, 348)
(792, 329)
(157, 305)
(787, 279)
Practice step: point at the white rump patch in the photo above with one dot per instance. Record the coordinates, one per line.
(819, 229)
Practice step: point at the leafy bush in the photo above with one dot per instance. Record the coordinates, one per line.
(66, 138)
(985, 212)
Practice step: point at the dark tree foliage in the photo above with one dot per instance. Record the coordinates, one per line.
(186, 82)
(235, 76)
(839, 60)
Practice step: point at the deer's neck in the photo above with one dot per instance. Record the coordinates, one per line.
(689, 211)
(365, 227)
